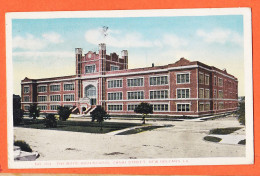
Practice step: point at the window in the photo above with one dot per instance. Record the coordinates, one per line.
(26, 108)
(54, 97)
(54, 107)
(90, 69)
(135, 82)
(158, 80)
(183, 93)
(42, 98)
(220, 94)
(220, 105)
(42, 89)
(68, 97)
(114, 67)
(215, 106)
(183, 107)
(135, 95)
(206, 79)
(42, 107)
(207, 92)
(26, 98)
(90, 91)
(54, 88)
(207, 107)
(201, 93)
(131, 107)
(183, 78)
(201, 78)
(115, 107)
(159, 94)
(114, 83)
(26, 89)
(220, 82)
(115, 96)
(68, 87)
(160, 107)
(215, 93)
(201, 107)
(215, 80)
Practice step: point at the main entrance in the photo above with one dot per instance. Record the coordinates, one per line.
(90, 92)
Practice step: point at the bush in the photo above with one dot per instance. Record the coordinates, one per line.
(17, 111)
(241, 113)
(34, 111)
(23, 145)
(64, 112)
(50, 121)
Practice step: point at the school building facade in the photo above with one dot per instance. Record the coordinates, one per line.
(185, 87)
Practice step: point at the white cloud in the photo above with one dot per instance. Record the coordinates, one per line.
(39, 54)
(128, 40)
(29, 42)
(221, 36)
(52, 37)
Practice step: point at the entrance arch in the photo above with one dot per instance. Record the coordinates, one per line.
(91, 93)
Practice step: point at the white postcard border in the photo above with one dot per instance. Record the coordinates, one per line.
(249, 159)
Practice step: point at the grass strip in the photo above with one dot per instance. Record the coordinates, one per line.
(224, 130)
(139, 130)
(212, 139)
(242, 142)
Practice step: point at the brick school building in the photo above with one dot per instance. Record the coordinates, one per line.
(189, 88)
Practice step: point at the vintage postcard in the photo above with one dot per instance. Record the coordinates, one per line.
(129, 88)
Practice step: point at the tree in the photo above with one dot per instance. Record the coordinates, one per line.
(50, 121)
(34, 111)
(241, 113)
(64, 112)
(99, 114)
(144, 109)
(17, 111)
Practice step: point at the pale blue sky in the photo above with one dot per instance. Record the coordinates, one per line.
(45, 47)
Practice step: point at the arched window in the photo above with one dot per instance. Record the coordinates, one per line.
(90, 91)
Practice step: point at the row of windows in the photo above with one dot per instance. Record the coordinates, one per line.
(53, 88)
(217, 81)
(135, 95)
(114, 83)
(115, 96)
(44, 107)
(135, 82)
(131, 107)
(159, 80)
(159, 94)
(68, 97)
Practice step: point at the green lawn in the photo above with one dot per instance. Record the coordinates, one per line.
(139, 130)
(78, 126)
(224, 130)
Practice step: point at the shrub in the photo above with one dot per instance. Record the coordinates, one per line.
(34, 111)
(241, 113)
(17, 111)
(50, 121)
(64, 112)
(23, 145)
